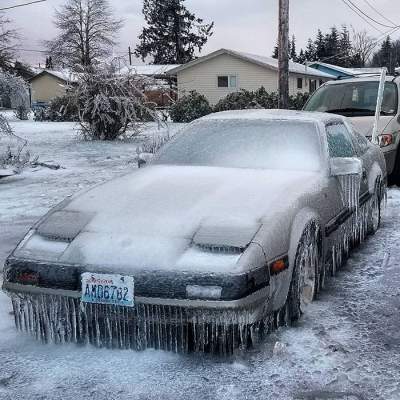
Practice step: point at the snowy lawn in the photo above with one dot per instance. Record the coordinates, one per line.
(347, 346)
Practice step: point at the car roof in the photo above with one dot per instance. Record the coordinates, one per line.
(366, 78)
(264, 114)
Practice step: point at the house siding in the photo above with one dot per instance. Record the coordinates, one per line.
(203, 78)
(45, 88)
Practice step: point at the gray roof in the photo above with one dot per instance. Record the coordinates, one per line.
(263, 61)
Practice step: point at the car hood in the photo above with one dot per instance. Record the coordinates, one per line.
(150, 218)
(365, 125)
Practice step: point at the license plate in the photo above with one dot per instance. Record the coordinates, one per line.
(108, 289)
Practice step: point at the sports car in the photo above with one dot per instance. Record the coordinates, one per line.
(233, 227)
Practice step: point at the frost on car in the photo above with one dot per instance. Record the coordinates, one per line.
(232, 228)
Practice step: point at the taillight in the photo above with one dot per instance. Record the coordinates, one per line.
(385, 139)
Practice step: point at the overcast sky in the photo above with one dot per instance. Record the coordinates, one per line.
(247, 25)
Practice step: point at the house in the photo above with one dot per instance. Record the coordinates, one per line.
(225, 71)
(161, 88)
(49, 84)
(341, 72)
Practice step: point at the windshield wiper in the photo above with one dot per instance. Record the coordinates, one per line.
(350, 110)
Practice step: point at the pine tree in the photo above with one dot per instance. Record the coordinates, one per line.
(385, 57)
(345, 48)
(292, 49)
(172, 34)
(275, 54)
(310, 52)
(301, 58)
(320, 48)
(49, 63)
(332, 46)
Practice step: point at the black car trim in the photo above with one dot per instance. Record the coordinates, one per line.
(257, 297)
(158, 284)
(335, 223)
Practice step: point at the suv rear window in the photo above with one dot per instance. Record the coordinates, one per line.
(353, 99)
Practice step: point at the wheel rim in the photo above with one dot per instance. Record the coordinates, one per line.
(307, 281)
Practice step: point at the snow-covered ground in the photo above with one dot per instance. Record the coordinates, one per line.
(347, 346)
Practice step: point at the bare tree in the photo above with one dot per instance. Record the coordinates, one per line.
(8, 37)
(363, 46)
(88, 30)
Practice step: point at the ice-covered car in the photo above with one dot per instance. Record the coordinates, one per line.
(356, 99)
(235, 224)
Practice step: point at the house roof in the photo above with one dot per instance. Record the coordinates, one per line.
(266, 62)
(150, 69)
(348, 71)
(64, 75)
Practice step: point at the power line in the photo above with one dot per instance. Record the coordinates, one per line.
(361, 16)
(369, 17)
(379, 13)
(22, 5)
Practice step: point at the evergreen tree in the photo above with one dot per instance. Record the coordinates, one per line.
(332, 46)
(292, 49)
(310, 52)
(275, 54)
(49, 63)
(301, 58)
(320, 50)
(385, 57)
(345, 48)
(172, 34)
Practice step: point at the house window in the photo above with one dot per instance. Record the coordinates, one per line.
(299, 83)
(227, 81)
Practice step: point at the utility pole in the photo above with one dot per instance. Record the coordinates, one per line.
(283, 53)
(130, 55)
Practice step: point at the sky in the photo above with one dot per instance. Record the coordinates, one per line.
(249, 25)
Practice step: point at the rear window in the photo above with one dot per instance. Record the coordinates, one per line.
(354, 99)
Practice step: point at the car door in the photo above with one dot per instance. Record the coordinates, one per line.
(341, 145)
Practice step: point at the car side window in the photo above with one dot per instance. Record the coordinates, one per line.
(339, 141)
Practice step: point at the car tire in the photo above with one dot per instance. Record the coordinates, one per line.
(304, 284)
(374, 212)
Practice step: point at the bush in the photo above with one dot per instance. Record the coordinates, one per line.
(60, 109)
(190, 107)
(16, 90)
(241, 100)
(108, 104)
(245, 99)
(13, 152)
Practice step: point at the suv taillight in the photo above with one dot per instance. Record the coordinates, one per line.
(385, 139)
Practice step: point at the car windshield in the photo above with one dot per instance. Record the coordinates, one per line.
(257, 144)
(353, 99)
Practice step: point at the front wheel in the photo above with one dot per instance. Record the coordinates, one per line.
(374, 214)
(306, 269)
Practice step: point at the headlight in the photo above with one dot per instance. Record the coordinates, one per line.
(385, 140)
(203, 292)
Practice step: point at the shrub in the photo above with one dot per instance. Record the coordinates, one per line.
(60, 109)
(260, 98)
(190, 107)
(16, 90)
(108, 104)
(13, 152)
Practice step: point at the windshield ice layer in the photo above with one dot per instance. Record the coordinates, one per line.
(257, 144)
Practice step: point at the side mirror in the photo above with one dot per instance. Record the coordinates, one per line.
(341, 166)
(144, 158)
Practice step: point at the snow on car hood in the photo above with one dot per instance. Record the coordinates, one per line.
(364, 125)
(148, 219)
